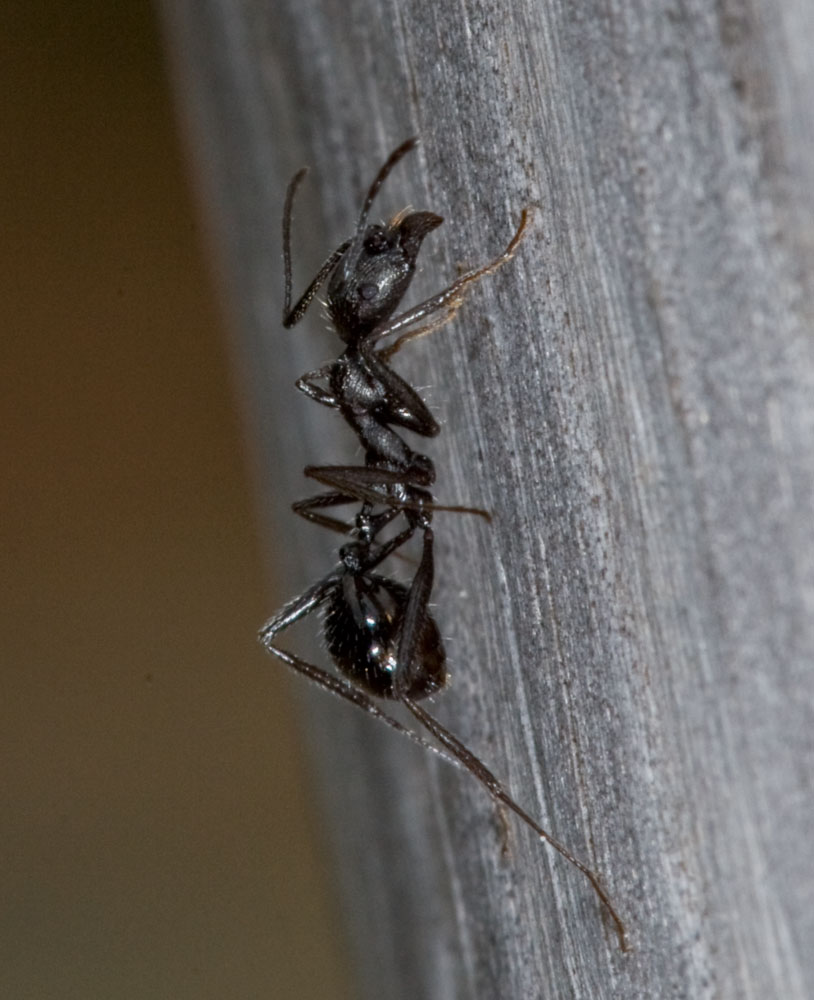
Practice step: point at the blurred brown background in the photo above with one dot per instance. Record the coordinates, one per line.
(156, 839)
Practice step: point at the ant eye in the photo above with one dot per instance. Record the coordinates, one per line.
(368, 291)
(376, 242)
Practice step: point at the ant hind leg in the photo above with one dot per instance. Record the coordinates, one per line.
(478, 769)
(299, 608)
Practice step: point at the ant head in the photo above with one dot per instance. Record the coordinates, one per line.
(371, 280)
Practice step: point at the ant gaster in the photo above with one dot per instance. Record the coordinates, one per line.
(379, 632)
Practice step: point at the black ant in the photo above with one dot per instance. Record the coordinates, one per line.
(379, 632)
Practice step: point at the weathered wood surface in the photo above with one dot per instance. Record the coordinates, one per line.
(632, 640)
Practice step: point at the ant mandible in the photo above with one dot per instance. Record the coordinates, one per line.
(379, 632)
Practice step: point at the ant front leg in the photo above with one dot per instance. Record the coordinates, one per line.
(450, 298)
(386, 353)
(292, 316)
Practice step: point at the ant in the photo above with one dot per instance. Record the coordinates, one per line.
(379, 632)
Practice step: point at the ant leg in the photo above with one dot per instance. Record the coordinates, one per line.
(386, 353)
(299, 608)
(361, 480)
(457, 289)
(389, 548)
(307, 384)
(479, 770)
(415, 614)
(414, 617)
(415, 610)
(368, 483)
(293, 316)
(505, 832)
(307, 509)
(403, 407)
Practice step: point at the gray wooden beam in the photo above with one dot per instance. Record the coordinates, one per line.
(632, 640)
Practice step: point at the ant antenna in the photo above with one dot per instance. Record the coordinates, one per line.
(398, 154)
(351, 260)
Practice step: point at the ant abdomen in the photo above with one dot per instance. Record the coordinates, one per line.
(363, 628)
